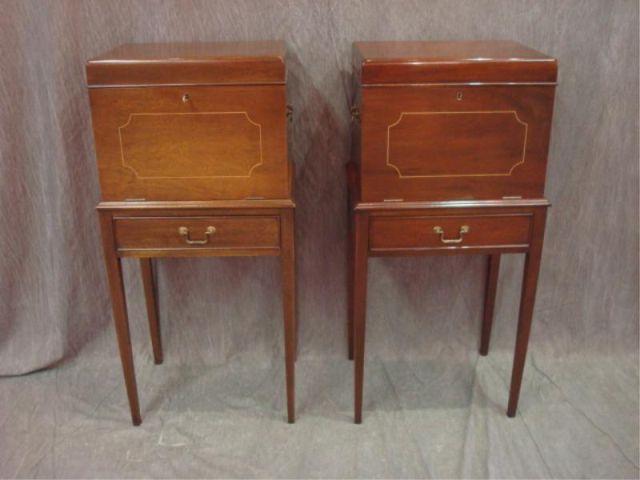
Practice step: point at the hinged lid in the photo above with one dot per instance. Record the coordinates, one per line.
(452, 62)
(189, 64)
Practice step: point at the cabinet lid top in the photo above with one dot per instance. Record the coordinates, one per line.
(218, 63)
(492, 61)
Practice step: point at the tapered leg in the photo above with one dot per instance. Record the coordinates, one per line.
(119, 304)
(527, 300)
(361, 242)
(287, 258)
(489, 302)
(148, 282)
(350, 285)
(351, 187)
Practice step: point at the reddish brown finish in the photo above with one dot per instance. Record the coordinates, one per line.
(491, 287)
(481, 154)
(451, 62)
(120, 317)
(198, 169)
(422, 143)
(417, 233)
(352, 181)
(146, 268)
(248, 207)
(136, 235)
(361, 241)
(444, 121)
(527, 300)
(287, 259)
(226, 143)
(452, 135)
(451, 207)
(367, 221)
(189, 63)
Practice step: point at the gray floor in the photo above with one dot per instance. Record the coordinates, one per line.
(440, 416)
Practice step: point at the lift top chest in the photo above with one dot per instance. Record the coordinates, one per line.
(191, 121)
(447, 121)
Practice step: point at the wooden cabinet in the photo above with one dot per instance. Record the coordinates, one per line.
(450, 148)
(428, 134)
(191, 144)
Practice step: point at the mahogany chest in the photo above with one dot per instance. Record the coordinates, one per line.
(191, 144)
(453, 120)
(191, 121)
(450, 143)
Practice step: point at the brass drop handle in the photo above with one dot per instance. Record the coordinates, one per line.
(184, 233)
(440, 231)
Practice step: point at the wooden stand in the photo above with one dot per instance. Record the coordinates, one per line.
(450, 155)
(396, 227)
(119, 242)
(191, 144)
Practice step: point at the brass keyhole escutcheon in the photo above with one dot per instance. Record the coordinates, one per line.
(440, 231)
(459, 96)
(186, 97)
(186, 234)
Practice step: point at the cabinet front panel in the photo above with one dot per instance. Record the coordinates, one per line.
(137, 235)
(454, 142)
(191, 143)
(455, 232)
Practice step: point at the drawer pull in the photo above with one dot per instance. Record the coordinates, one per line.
(186, 97)
(440, 231)
(184, 233)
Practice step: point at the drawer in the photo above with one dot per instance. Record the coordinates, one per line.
(191, 142)
(421, 233)
(237, 235)
(454, 142)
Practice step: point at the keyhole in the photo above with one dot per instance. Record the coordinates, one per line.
(459, 96)
(186, 97)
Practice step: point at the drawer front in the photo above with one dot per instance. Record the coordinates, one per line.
(191, 142)
(454, 142)
(448, 232)
(239, 234)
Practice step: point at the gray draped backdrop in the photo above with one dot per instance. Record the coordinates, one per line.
(216, 407)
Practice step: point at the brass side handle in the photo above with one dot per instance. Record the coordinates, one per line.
(184, 233)
(355, 114)
(440, 231)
